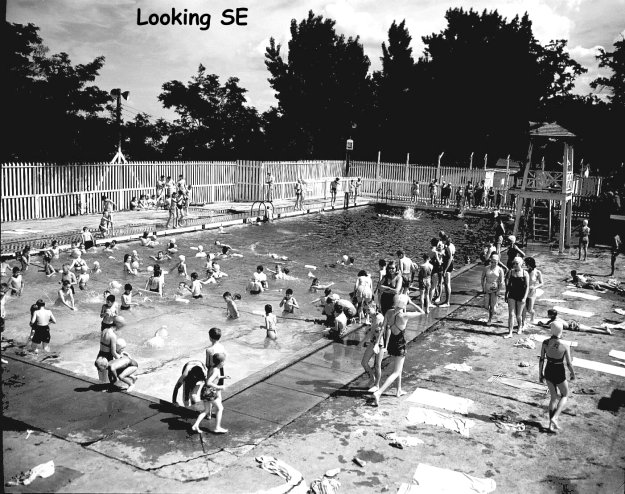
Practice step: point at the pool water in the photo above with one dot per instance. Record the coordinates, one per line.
(366, 234)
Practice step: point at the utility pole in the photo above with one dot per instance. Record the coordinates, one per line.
(119, 156)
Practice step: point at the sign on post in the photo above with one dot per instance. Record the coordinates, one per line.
(349, 145)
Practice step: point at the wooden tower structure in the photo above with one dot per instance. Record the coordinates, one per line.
(548, 182)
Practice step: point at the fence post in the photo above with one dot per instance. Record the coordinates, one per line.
(438, 166)
(485, 160)
(471, 161)
(406, 171)
(378, 182)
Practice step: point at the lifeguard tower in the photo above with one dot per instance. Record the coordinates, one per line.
(547, 183)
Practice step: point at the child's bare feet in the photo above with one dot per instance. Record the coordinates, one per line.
(220, 430)
(196, 429)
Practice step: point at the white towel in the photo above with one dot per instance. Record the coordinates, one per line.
(598, 366)
(459, 367)
(573, 312)
(580, 295)
(428, 479)
(418, 415)
(440, 400)
(519, 383)
(294, 480)
(617, 354)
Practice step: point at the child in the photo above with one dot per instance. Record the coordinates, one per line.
(374, 342)
(147, 240)
(24, 258)
(258, 283)
(65, 296)
(128, 265)
(363, 289)
(196, 285)
(40, 333)
(210, 277)
(108, 312)
(47, 262)
(314, 286)
(106, 223)
(121, 369)
(109, 246)
(161, 256)
(143, 202)
(55, 249)
(200, 251)
(288, 302)
(87, 238)
(225, 249)
(414, 191)
(83, 277)
(182, 266)
(16, 282)
(231, 308)
(127, 302)
(3, 267)
(96, 267)
(210, 394)
(425, 283)
(172, 248)
(135, 260)
(217, 272)
(67, 275)
(270, 325)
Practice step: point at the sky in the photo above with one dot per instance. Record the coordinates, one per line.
(140, 58)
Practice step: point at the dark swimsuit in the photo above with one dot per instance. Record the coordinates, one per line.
(396, 343)
(516, 287)
(386, 298)
(554, 370)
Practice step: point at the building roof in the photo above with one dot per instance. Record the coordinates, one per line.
(548, 129)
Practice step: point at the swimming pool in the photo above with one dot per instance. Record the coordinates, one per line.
(367, 234)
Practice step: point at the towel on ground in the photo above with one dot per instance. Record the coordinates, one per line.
(295, 483)
(418, 415)
(430, 480)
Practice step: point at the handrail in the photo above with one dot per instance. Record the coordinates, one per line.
(264, 204)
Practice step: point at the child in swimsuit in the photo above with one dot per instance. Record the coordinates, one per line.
(270, 325)
(196, 285)
(122, 368)
(211, 395)
(127, 302)
(160, 257)
(182, 266)
(16, 282)
(288, 302)
(231, 308)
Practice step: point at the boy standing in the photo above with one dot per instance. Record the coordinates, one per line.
(40, 332)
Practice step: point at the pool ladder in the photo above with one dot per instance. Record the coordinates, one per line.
(262, 204)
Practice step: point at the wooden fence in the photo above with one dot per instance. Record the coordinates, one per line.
(44, 190)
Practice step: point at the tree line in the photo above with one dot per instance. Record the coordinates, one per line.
(475, 88)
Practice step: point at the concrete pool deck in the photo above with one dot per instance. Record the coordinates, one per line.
(314, 415)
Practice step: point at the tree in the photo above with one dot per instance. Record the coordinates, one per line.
(55, 111)
(215, 120)
(395, 91)
(487, 77)
(322, 90)
(615, 61)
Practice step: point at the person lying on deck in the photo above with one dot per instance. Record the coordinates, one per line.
(571, 325)
(585, 281)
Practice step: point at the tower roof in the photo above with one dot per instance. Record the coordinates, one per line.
(548, 129)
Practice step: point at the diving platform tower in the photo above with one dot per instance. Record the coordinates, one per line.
(546, 184)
